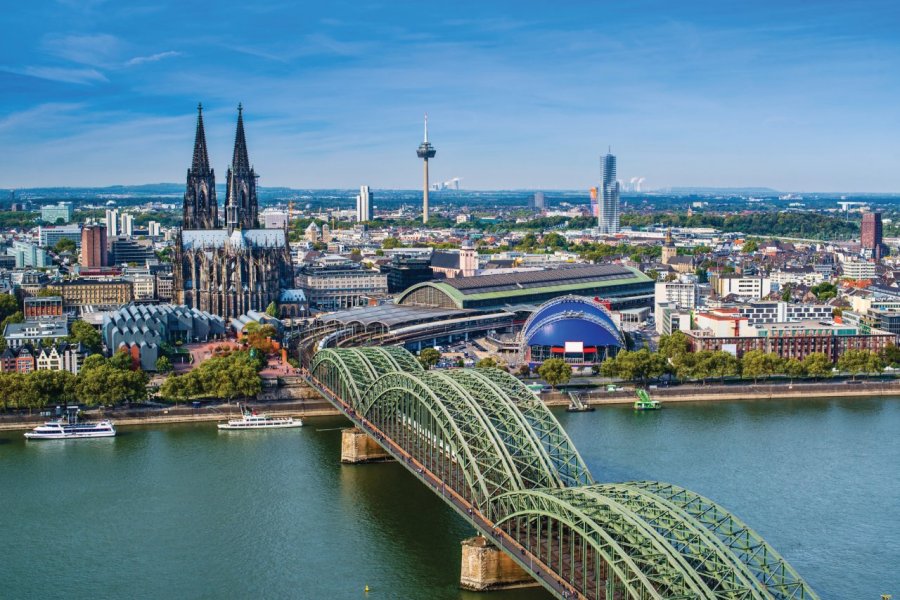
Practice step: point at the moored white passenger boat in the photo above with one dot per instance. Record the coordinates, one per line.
(68, 428)
(252, 420)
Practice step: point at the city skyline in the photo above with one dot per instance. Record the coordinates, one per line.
(790, 97)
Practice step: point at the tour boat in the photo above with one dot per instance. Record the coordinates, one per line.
(645, 403)
(68, 428)
(252, 420)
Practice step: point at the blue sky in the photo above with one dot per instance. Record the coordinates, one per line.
(793, 95)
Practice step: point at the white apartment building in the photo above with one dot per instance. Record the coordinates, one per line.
(784, 312)
(857, 269)
(745, 287)
(804, 276)
(126, 224)
(144, 286)
(681, 295)
(112, 223)
(669, 318)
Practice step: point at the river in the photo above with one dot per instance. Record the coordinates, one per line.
(184, 511)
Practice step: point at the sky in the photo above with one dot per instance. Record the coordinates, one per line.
(793, 95)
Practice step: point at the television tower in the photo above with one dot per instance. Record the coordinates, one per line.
(425, 151)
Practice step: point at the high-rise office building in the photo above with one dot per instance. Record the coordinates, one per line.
(154, 229)
(608, 218)
(93, 246)
(871, 237)
(52, 213)
(126, 222)
(112, 222)
(364, 204)
(537, 201)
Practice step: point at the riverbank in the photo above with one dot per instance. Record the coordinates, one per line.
(731, 393)
(299, 402)
(215, 412)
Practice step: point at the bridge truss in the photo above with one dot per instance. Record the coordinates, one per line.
(496, 454)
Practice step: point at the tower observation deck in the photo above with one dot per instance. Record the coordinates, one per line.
(425, 151)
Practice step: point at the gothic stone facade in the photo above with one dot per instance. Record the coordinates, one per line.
(240, 267)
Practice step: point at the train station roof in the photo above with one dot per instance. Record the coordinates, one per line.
(529, 287)
(391, 315)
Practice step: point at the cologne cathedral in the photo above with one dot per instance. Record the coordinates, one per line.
(228, 270)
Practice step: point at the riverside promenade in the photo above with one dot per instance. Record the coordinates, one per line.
(295, 399)
(745, 391)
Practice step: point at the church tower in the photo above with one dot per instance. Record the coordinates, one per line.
(241, 203)
(669, 251)
(201, 210)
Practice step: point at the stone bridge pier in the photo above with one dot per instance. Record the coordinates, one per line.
(357, 447)
(485, 567)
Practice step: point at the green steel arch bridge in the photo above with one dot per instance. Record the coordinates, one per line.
(493, 451)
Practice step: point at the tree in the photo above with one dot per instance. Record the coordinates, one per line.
(824, 291)
(260, 337)
(93, 361)
(85, 334)
(8, 305)
(107, 385)
(51, 386)
(718, 365)
(890, 355)
(856, 362)
(675, 344)
(391, 243)
(639, 365)
(121, 360)
(272, 309)
(64, 245)
(429, 357)
(786, 293)
(16, 317)
(555, 371)
(757, 363)
(817, 364)
(163, 364)
(794, 368)
(233, 376)
(524, 370)
(487, 363)
(750, 246)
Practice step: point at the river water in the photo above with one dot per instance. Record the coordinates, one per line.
(184, 511)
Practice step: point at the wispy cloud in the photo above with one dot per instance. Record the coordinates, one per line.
(140, 60)
(42, 115)
(96, 50)
(82, 76)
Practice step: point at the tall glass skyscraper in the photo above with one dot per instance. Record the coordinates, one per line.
(608, 217)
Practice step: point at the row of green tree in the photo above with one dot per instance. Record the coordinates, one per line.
(101, 382)
(234, 375)
(675, 358)
(768, 223)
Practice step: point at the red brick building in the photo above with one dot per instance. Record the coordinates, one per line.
(871, 235)
(42, 306)
(794, 340)
(94, 250)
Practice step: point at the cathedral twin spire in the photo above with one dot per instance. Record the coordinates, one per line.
(201, 210)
